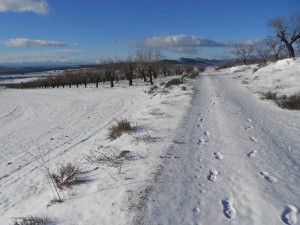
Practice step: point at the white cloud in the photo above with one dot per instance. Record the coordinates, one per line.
(23, 42)
(36, 6)
(180, 41)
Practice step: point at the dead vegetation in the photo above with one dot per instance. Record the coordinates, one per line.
(66, 176)
(122, 126)
(33, 220)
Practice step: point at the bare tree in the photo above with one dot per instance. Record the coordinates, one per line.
(298, 47)
(165, 68)
(263, 53)
(156, 66)
(96, 76)
(287, 30)
(110, 69)
(141, 63)
(148, 63)
(275, 45)
(243, 51)
(128, 69)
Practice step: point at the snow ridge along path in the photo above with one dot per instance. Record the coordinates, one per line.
(257, 180)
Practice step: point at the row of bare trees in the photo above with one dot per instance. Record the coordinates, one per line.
(285, 41)
(147, 65)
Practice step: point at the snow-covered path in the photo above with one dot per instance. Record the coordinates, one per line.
(237, 161)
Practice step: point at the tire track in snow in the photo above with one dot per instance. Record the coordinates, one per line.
(56, 121)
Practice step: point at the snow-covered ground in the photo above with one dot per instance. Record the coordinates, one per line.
(237, 158)
(281, 77)
(213, 154)
(64, 125)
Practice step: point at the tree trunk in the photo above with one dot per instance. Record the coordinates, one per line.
(150, 75)
(112, 83)
(290, 49)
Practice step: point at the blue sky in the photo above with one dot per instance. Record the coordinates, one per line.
(85, 31)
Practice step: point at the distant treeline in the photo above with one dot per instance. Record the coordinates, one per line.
(146, 66)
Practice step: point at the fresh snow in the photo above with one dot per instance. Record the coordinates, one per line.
(257, 181)
(215, 154)
(64, 125)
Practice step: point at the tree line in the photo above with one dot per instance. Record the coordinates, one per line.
(146, 65)
(283, 43)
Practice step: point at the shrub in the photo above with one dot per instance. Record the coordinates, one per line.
(152, 89)
(172, 82)
(33, 220)
(117, 130)
(193, 75)
(290, 102)
(269, 95)
(183, 88)
(66, 176)
(224, 66)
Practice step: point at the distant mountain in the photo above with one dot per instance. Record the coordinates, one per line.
(20, 68)
(195, 61)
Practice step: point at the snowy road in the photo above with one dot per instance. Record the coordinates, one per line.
(237, 161)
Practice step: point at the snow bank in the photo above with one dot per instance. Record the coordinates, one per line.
(281, 77)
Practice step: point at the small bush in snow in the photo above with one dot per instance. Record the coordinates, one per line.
(117, 130)
(172, 82)
(192, 75)
(66, 176)
(152, 89)
(290, 102)
(183, 88)
(269, 95)
(33, 220)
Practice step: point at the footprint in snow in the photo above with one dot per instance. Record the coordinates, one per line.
(253, 139)
(268, 177)
(201, 141)
(206, 133)
(249, 119)
(200, 125)
(218, 155)
(289, 215)
(196, 210)
(228, 209)
(248, 128)
(251, 154)
(212, 176)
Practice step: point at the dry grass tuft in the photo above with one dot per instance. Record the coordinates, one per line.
(269, 96)
(152, 89)
(66, 176)
(290, 102)
(33, 220)
(117, 130)
(172, 82)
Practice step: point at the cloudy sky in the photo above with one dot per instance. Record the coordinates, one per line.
(85, 31)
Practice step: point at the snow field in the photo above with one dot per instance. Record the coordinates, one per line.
(64, 125)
